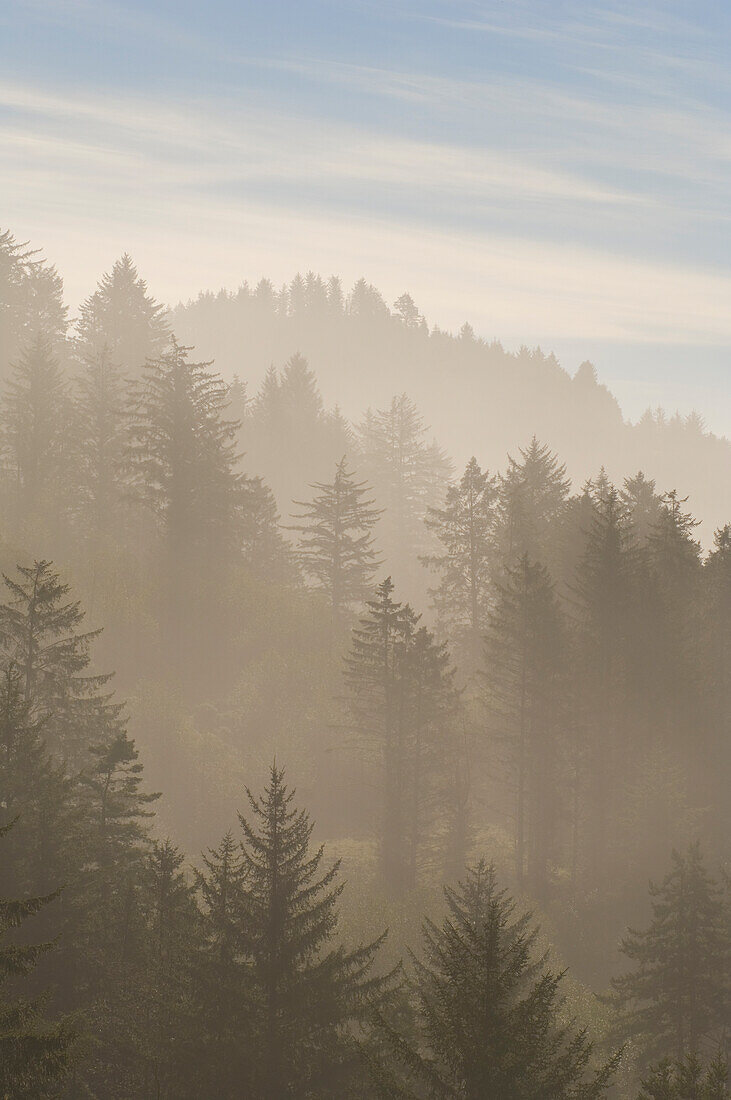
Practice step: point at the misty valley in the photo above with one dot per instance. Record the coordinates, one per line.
(365, 701)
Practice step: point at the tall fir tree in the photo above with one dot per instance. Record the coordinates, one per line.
(35, 1054)
(307, 993)
(489, 1010)
(532, 497)
(39, 633)
(122, 320)
(677, 995)
(100, 428)
(524, 691)
(35, 426)
(465, 563)
(687, 1079)
(336, 540)
(31, 301)
(408, 476)
(605, 594)
(402, 705)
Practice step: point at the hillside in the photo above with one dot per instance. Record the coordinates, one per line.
(478, 397)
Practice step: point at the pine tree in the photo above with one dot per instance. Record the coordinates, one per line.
(35, 426)
(408, 476)
(642, 504)
(687, 1080)
(717, 672)
(532, 496)
(35, 790)
(489, 1011)
(307, 992)
(264, 547)
(336, 543)
(39, 633)
(31, 301)
(121, 320)
(524, 676)
(465, 528)
(35, 1054)
(163, 1020)
(674, 561)
(224, 982)
(182, 453)
(100, 427)
(401, 700)
(606, 591)
(677, 995)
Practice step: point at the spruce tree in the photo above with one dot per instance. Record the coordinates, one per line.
(489, 1010)
(223, 990)
(408, 476)
(677, 994)
(465, 529)
(642, 503)
(122, 320)
(31, 301)
(716, 610)
(35, 1054)
(524, 692)
(336, 543)
(307, 993)
(605, 593)
(532, 496)
(35, 425)
(402, 704)
(40, 635)
(687, 1079)
(182, 453)
(100, 426)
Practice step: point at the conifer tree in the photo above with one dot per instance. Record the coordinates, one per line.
(490, 1025)
(401, 700)
(524, 677)
(35, 424)
(164, 1021)
(642, 503)
(306, 992)
(687, 1080)
(717, 671)
(31, 297)
(264, 547)
(224, 986)
(121, 320)
(35, 1054)
(100, 426)
(465, 529)
(336, 543)
(38, 852)
(407, 474)
(606, 591)
(677, 994)
(532, 495)
(39, 634)
(674, 561)
(182, 453)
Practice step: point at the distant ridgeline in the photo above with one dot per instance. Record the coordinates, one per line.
(477, 397)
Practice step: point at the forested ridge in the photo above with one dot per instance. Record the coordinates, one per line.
(412, 778)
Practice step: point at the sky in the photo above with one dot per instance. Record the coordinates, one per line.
(556, 173)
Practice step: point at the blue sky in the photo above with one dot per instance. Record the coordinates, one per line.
(554, 172)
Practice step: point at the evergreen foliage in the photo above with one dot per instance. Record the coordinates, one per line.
(490, 1018)
(676, 996)
(336, 541)
(35, 1053)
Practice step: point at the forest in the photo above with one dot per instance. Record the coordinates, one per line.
(365, 708)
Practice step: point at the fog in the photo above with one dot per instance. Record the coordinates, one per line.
(358, 679)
